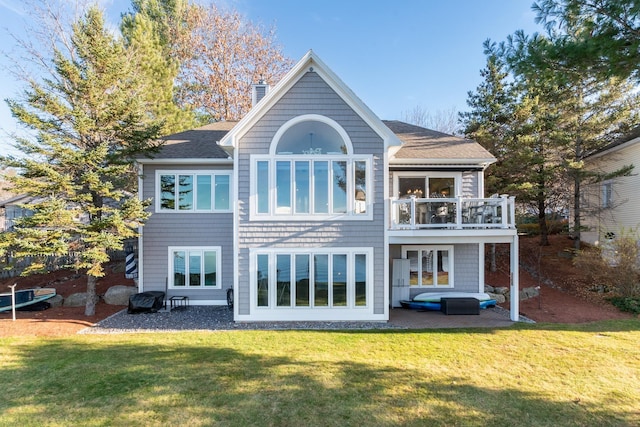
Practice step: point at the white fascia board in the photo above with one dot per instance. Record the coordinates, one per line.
(228, 161)
(308, 61)
(448, 164)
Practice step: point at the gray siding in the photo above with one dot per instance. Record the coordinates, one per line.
(465, 268)
(184, 229)
(310, 95)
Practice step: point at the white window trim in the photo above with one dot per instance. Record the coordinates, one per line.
(350, 252)
(449, 248)
(170, 277)
(350, 215)
(176, 210)
(426, 174)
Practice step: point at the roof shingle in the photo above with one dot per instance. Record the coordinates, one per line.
(421, 143)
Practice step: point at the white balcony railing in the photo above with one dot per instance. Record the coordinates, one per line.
(453, 213)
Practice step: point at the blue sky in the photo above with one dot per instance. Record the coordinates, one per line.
(393, 55)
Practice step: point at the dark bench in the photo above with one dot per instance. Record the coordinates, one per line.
(460, 306)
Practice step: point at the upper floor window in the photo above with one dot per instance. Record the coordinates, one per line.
(190, 191)
(311, 171)
(430, 185)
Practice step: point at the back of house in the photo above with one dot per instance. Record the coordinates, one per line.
(305, 205)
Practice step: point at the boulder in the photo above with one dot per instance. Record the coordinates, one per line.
(501, 290)
(488, 289)
(500, 298)
(77, 300)
(527, 293)
(119, 294)
(56, 301)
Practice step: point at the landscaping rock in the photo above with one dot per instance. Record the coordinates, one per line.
(56, 301)
(119, 294)
(527, 293)
(489, 289)
(500, 298)
(502, 290)
(77, 300)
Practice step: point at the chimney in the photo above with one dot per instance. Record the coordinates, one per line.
(258, 91)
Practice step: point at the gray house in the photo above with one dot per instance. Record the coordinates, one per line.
(312, 208)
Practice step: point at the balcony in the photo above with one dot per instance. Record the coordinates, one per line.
(457, 213)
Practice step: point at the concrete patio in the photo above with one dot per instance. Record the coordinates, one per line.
(429, 319)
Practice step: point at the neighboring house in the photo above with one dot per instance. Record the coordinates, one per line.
(12, 209)
(312, 208)
(611, 207)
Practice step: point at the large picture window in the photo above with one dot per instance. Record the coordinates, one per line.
(189, 191)
(334, 278)
(194, 267)
(311, 173)
(430, 266)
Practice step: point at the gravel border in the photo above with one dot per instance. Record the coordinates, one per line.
(208, 318)
(220, 318)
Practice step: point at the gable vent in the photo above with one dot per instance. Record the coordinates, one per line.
(258, 91)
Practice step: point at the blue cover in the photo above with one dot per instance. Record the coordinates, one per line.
(435, 306)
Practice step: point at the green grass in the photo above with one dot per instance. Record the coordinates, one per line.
(529, 375)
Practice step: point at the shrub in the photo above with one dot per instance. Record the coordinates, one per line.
(615, 264)
(628, 304)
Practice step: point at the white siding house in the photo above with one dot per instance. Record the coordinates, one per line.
(612, 206)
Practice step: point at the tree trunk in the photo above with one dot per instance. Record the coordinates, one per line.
(90, 308)
(542, 222)
(577, 224)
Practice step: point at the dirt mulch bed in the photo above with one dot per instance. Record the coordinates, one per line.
(565, 295)
(60, 321)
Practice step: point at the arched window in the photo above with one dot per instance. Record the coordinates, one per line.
(311, 134)
(311, 137)
(311, 173)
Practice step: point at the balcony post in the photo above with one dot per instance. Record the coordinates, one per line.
(458, 212)
(512, 211)
(505, 210)
(412, 218)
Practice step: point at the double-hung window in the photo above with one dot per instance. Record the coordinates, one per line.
(191, 191)
(311, 173)
(194, 267)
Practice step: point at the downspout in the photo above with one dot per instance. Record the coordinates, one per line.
(514, 304)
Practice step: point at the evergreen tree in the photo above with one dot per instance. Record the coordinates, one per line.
(601, 36)
(88, 122)
(489, 119)
(148, 31)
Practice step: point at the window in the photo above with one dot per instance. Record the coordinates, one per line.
(433, 185)
(607, 194)
(430, 266)
(189, 191)
(311, 173)
(194, 267)
(322, 278)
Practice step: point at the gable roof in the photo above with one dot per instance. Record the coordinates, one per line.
(310, 62)
(421, 145)
(196, 145)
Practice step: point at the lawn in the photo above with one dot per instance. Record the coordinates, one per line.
(528, 375)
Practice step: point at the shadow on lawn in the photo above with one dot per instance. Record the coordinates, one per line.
(206, 383)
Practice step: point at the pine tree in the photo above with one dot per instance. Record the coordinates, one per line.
(148, 31)
(88, 121)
